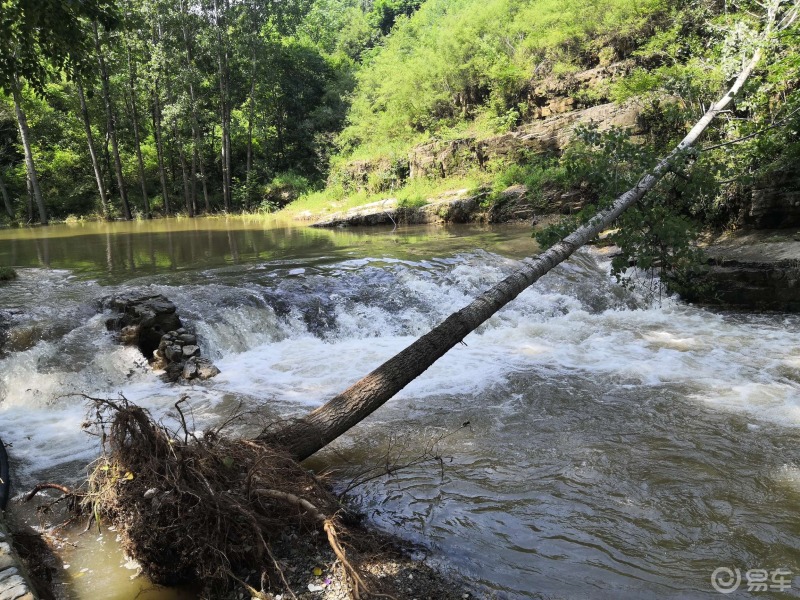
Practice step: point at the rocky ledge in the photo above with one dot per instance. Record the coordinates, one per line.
(460, 206)
(757, 270)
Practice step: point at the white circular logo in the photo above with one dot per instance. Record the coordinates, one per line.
(726, 580)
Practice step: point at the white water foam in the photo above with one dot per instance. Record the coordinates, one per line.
(329, 328)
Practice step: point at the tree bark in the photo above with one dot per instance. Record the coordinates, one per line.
(136, 136)
(24, 134)
(29, 188)
(196, 158)
(206, 199)
(222, 63)
(111, 124)
(162, 173)
(251, 116)
(6, 198)
(309, 434)
(98, 174)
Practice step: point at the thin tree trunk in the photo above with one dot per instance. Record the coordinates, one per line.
(6, 198)
(24, 134)
(184, 172)
(137, 138)
(111, 124)
(98, 174)
(222, 63)
(206, 199)
(29, 187)
(192, 101)
(162, 173)
(309, 434)
(249, 164)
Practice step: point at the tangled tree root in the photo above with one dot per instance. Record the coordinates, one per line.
(204, 508)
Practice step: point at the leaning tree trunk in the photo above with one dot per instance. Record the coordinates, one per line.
(24, 134)
(309, 434)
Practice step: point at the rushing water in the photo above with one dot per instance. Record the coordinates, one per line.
(613, 447)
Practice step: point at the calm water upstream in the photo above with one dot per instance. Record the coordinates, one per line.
(616, 448)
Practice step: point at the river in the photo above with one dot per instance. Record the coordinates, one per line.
(595, 443)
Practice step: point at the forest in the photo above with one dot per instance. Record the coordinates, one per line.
(122, 110)
(450, 407)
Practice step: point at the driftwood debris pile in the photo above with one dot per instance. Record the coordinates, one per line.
(205, 508)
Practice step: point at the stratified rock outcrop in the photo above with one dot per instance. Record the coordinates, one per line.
(773, 203)
(758, 270)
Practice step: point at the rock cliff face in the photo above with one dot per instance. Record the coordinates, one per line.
(758, 270)
(774, 203)
(458, 157)
(555, 106)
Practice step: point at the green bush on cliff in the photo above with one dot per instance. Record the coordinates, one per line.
(657, 235)
(456, 61)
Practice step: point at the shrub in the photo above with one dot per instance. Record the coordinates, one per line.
(7, 274)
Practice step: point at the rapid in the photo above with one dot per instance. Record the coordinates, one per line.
(591, 441)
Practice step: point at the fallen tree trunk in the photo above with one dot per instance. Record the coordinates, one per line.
(305, 436)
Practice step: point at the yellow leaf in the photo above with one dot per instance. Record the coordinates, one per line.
(129, 476)
(317, 571)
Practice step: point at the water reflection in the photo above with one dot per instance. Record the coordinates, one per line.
(115, 252)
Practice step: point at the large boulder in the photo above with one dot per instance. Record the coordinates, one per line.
(142, 320)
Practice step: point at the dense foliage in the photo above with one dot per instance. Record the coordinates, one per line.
(186, 105)
(140, 107)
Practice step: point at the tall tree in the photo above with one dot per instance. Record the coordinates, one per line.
(98, 174)
(137, 137)
(25, 136)
(224, 99)
(111, 123)
(6, 198)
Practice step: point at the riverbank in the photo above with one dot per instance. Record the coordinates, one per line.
(14, 584)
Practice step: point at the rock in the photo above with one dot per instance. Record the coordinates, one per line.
(774, 203)
(129, 335)
(187, 338)
(5, 325)
(189, 370)
(206, 369)
(153, 315)
(173, 371)
(190, 350)
(754, 271)
(173, 353)
(451, 158)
